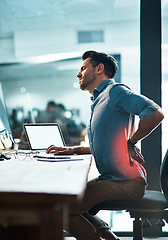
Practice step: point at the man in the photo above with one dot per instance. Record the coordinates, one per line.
(112, 142)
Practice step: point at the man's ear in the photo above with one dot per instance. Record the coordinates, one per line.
(100, 68)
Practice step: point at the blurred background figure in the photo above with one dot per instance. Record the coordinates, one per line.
(74, 131)
(48, 115)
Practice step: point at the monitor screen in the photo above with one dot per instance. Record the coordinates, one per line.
(6, 138)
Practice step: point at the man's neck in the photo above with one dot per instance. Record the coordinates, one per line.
(97, 83)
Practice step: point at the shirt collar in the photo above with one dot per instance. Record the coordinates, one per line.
(100, 87)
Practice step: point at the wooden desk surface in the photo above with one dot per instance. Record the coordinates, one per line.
(37, 193)
(32, 176)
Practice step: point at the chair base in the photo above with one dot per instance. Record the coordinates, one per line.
(137, 229)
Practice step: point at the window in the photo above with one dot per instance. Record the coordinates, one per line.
(164, 79)
(164, 73)
(42, 45)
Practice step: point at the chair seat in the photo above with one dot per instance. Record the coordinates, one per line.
(151, 201)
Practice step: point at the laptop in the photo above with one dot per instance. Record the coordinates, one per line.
(41, 135)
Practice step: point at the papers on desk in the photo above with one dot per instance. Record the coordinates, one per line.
(42, 156)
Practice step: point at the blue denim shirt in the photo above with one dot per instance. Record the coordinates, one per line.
(111, 124)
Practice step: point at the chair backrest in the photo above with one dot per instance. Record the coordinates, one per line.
(164, 175)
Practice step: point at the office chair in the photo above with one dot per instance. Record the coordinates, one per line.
(152, 205)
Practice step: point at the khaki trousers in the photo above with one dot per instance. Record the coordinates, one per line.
(84, 226)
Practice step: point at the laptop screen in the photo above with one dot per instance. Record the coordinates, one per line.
(41, 136)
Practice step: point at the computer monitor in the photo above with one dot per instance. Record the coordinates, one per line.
(6, 137)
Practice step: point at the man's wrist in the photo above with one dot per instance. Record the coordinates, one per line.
(81, 150)
(131, 143)
(76, 149)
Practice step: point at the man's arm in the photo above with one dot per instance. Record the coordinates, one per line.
(145, 127)
(68, 150)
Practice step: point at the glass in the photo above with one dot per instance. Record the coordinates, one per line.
(164, 80)
(22, 155)
(71, 27)
(164, 74)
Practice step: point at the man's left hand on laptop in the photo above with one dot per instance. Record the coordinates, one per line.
(68, 150)
(60, 150)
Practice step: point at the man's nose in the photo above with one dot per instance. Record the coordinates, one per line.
(78, 75)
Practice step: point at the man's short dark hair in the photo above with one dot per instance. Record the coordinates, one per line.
(110, 63)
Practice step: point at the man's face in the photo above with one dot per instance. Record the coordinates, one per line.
(87, 75)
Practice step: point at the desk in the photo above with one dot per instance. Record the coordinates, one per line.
(38, 193)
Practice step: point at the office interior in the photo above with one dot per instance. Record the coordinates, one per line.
(41, 43)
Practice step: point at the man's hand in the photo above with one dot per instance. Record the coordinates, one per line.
(134, 153)
(60, 150)
(68, 150)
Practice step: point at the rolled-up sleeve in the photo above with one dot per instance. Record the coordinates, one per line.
(136, 104)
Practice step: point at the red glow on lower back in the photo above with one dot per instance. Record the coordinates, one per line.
(120, 152)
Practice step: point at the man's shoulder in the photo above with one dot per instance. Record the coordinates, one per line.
(119, 87)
